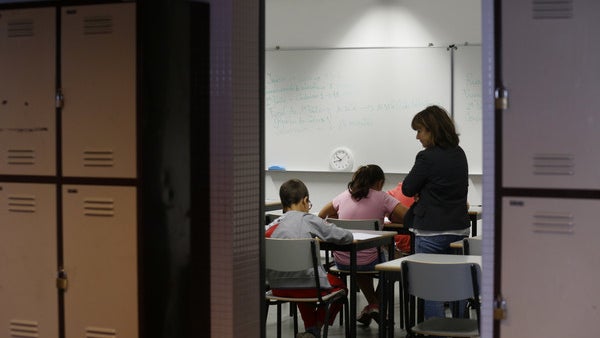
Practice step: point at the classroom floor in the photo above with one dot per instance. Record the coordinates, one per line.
(335, 331)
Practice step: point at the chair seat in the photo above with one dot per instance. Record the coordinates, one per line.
(450, 327)
(331, 296)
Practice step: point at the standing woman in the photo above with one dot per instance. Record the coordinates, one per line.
(439, 181)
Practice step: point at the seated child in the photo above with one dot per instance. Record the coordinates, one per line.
(364, 199)
(297, 222)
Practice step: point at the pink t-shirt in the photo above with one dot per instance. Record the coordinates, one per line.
(376, 205)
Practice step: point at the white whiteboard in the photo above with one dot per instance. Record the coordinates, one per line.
(362, 99)
(467, 104)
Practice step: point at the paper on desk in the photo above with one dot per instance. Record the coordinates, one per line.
(362, 235)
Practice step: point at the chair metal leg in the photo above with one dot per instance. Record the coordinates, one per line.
(347, 318)
(401, 301)
(278, 319)
(294, 311)
(326, 323)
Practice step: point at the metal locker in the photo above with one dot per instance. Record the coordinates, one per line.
(550, 71)
(100, 261)
(27, 91)
(549, 256)
(98, 70)
(28, 260)
(550, 271)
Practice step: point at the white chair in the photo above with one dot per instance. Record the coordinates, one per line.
(351, 224)
(356, 224)
(472, 246)
(289, 255)
(444, 282)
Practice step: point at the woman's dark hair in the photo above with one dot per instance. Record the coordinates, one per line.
(292, 192)
(437, 121)
(363, 179)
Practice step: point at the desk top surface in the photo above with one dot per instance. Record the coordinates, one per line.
(459, 244)
(394, 225)
(371, 233)
(394, 265)
(475, 211)
(369, 239)
(272, 205)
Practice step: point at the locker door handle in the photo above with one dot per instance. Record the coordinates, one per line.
(501, 98)
(59, 98)
(499, 308)
(61, 280)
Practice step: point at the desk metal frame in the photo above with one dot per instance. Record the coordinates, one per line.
(474, 215)
(388, 278)
(384, 238)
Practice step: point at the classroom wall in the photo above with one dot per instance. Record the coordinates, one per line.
(360, 23)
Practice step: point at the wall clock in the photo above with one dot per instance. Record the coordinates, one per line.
(341, 159)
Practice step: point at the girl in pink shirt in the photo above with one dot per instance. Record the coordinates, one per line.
(364, 199)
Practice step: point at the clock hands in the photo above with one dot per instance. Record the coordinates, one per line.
(339, 159)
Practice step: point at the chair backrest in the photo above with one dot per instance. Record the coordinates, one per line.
(472, 246)
(284, 254)
(441, 281)
(356, 224)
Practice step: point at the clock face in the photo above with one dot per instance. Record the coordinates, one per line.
(341, 159)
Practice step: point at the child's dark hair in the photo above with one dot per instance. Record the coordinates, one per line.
(363, 179)
(292, 192)
(440, 125)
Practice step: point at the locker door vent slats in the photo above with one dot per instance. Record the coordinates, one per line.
(99, 207)
(20, 28)
(99, 24)
(552, 9)
(21, 203)
(20, 157)
(23, 328)
(553, 222)
(99, 332)
(98, 158)
(553, 164)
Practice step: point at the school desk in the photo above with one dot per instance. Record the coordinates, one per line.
(391, 272)
(271, 205)
(458, 245)
(474, 216)
(363, 239)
